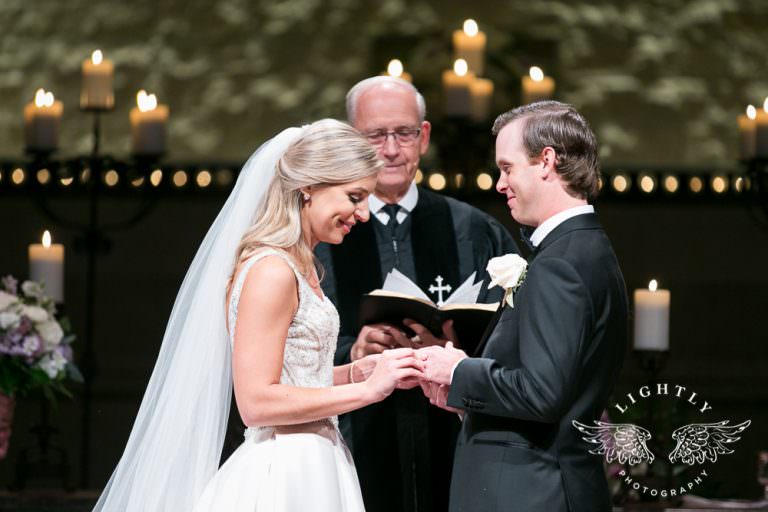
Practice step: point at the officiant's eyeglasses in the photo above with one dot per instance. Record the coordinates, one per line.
(404, 136)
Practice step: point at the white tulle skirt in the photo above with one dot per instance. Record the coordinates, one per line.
(285, 469)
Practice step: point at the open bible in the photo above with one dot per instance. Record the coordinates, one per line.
(400, 298)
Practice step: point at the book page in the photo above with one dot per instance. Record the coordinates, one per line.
(467, 293)
(398, 282)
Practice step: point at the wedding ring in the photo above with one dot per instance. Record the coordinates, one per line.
(416, 340)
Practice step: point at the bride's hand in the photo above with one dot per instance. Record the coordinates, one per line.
(393, 367)
(363, 367)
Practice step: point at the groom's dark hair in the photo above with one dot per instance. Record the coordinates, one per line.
(561, 127)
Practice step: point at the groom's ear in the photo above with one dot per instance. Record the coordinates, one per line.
(548, 163)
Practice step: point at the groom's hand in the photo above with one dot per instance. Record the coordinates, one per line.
(440, 361)
(438, 395)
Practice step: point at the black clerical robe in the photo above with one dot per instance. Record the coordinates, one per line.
(403, 447)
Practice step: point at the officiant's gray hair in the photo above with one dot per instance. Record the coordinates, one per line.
(369, 83)
(328, 152)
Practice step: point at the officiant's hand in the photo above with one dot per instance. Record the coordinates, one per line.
(424, 338)
(374, 339)
(440, 361)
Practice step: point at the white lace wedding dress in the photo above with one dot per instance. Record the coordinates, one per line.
(300, 468)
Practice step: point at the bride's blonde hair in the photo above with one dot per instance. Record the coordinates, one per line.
(328, 152)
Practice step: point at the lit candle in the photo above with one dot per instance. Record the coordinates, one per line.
(481, 90)
(42, 118)
(395, 69)
(469, 44)
(747, 126)
(148, 121)
(652, 318)
(456, 86)
(761, 131)
(46, 265)
(537, 86)
(97, 91)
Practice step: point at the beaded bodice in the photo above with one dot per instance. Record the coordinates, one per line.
(312, 335)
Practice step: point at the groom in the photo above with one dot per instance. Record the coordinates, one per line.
(555, 355)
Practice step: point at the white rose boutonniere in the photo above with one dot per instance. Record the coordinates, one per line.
(507, 271)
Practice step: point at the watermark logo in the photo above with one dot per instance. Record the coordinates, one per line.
(628, 444)
(696, 443)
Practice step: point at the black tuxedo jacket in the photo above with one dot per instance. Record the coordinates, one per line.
(553, 358)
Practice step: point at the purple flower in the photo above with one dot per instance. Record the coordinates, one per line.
(25, 325)
(10, 284)
(66, 351)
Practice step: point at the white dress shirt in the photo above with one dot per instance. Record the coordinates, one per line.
(407, 204)
(551, 223)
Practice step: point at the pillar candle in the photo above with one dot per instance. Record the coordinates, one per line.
(97, 89)
(456, 87)
(652, 318)
(148, 122)
(46, 265)
(481, 90)
(469, 44)
(42, 119)
(537, 86)
(747, 126)
(761, 131)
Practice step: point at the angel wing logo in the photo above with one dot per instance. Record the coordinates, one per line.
(617, 441)
(699, 442)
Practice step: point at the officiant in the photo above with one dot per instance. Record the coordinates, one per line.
(403, 448)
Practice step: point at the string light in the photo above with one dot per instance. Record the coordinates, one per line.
(620, 183)
(696, 184)
(111, 178)
(156, 177)
(436, 181)
(671, 184)
(647, 183)
(180, 178)
(203, 178)
(18, 176)
(43, 176)
(484, 181)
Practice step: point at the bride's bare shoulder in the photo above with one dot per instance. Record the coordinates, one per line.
(270, 275)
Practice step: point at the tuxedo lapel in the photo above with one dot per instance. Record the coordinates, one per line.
(488, 330)
(586, 221)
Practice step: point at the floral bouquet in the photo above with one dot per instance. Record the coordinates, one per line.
(35, 348)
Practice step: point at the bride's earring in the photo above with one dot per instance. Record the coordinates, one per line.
(306, 197)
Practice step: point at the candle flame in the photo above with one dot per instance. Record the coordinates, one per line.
(536, 73)
(460, 67)
(47, 239)
(470, 27)
(97, 57)
(653, 285)
(40, 98)
(751, 112)
(395, 68)
(146, 102)
(765, 105)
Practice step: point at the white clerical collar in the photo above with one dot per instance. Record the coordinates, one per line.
(407, 204)
(551, 223)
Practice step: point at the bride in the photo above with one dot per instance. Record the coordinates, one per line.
(264, 324)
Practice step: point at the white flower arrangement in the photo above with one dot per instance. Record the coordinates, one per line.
(509, 272)
(35, 349)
